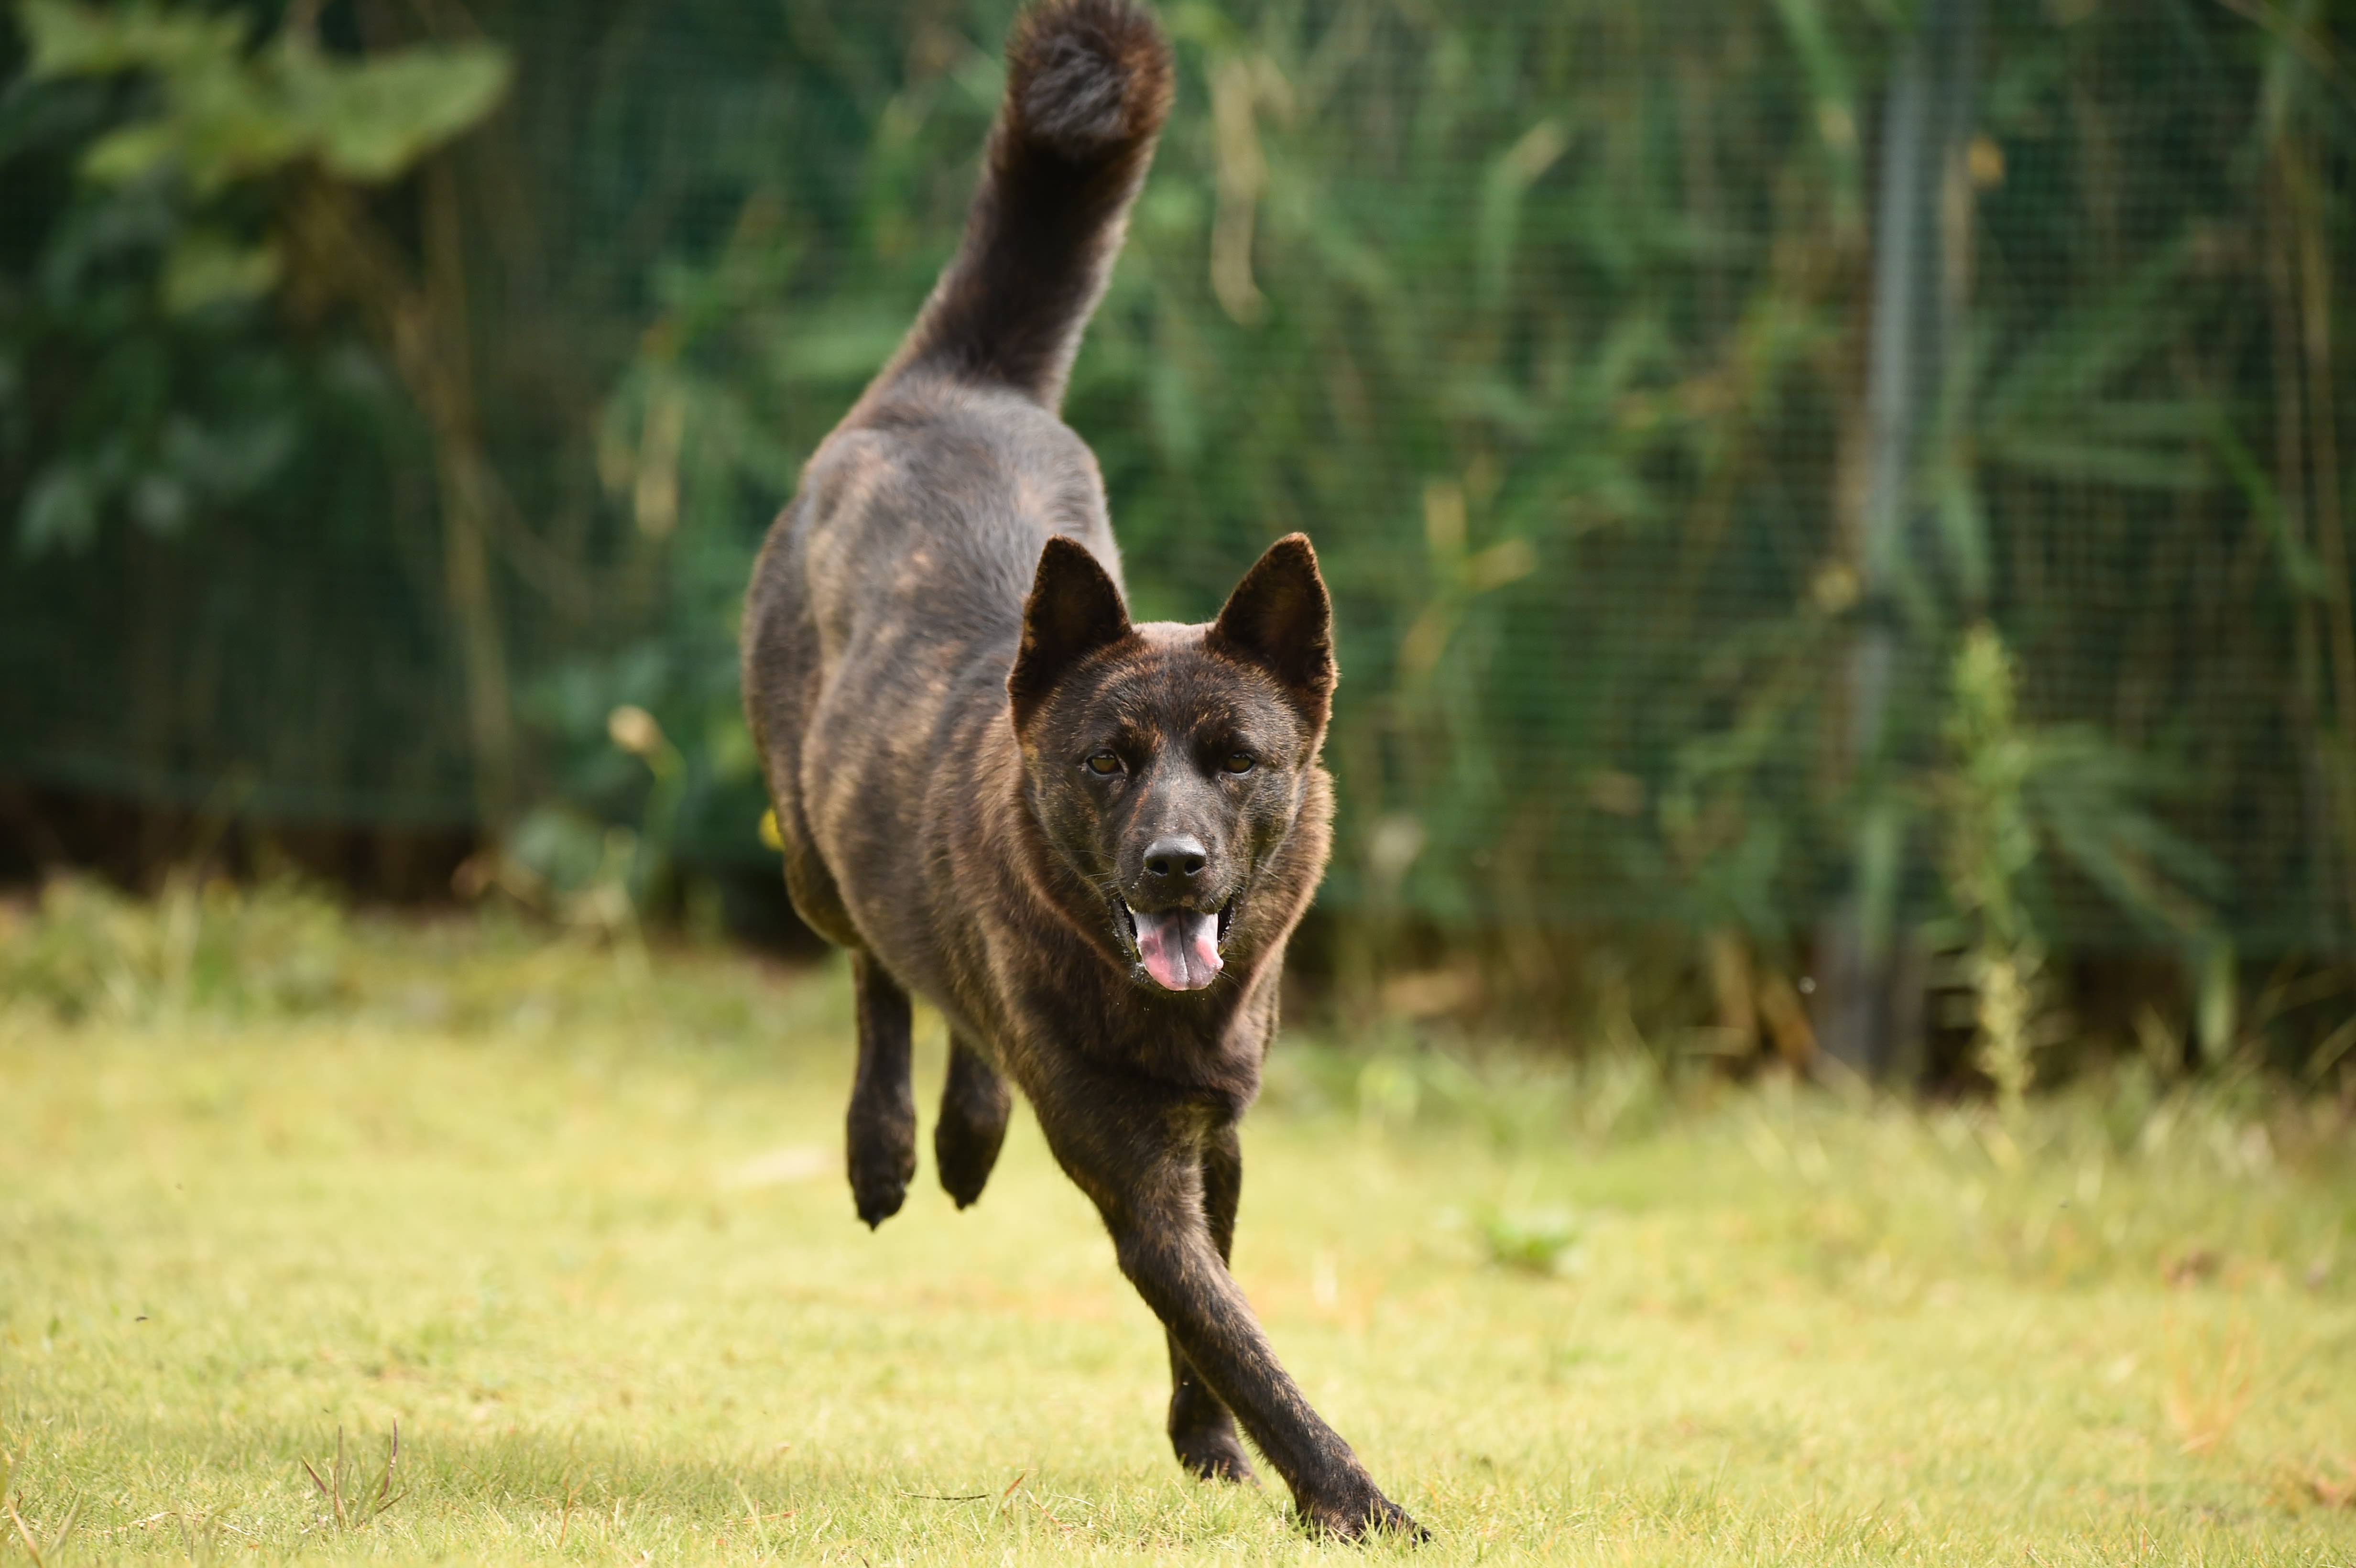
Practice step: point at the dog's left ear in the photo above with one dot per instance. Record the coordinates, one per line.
(1280, 617)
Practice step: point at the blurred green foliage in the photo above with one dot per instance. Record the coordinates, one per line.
(157, 241)
(225, 112)
(1546, 320)
(87, 953)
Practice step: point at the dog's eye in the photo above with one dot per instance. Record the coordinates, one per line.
(1104, 765)
(1238, 763)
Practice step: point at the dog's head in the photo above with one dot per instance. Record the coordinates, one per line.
(1169, 764)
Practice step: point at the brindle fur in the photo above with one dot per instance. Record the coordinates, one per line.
(936, 642)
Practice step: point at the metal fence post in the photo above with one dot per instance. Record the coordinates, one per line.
(1870, 1000)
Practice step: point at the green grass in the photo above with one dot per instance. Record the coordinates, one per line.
(579, 1228)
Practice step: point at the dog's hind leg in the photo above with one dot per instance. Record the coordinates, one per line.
(881, 1129)
(974, 1105)
(1202, 1429)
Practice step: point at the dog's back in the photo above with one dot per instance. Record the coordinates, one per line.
(888, 601)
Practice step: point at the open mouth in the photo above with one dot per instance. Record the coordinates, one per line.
(1179, 948)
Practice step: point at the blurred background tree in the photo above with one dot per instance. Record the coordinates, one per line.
(393, 396)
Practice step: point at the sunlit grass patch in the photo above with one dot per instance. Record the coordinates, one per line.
(574, 1218)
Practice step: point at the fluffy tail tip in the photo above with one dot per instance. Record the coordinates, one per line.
(1087, 78)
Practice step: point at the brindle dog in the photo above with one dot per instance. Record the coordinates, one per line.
(1086, 841)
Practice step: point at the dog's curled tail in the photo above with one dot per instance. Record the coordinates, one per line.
(1088, 86)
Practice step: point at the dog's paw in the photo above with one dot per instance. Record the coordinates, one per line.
(1361, 1517)
(879, 1186)
(883, 1159)
(1213, 1454)
(965, 1147)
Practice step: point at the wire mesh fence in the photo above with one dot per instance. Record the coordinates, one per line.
(1554, 323)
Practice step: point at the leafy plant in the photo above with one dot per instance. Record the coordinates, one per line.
(227, 112)
(167, 189)
(1534, 1241)
(1990, 846)
(2011, 796)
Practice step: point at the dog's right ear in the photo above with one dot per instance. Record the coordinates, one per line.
(1073, 610)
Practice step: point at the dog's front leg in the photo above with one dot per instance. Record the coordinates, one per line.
(1142, 1165)
(1202, 1429)
(879, 1130)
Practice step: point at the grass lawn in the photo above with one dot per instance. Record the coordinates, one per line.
(579, 1228)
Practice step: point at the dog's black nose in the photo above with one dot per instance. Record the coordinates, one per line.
(1175, 858)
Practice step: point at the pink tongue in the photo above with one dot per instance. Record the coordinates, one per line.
(1180, 948)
